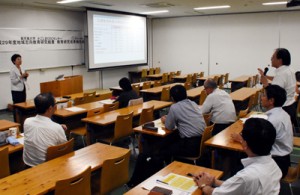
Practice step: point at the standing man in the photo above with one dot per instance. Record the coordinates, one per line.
(285, 78)
(40, 131)
(220, 105)
(260, 175)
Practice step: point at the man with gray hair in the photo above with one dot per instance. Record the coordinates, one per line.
(220, 105)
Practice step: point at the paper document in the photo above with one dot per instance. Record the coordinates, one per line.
(21, 140)
(256, 115)
(75, 109)
(107, 101)
(180, 182)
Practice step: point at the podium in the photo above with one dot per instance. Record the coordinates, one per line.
(70, 85)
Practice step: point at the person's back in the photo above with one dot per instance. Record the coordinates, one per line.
(40, 132)
(127, 94)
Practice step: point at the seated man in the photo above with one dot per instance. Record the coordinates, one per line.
(127, 94)
(260, 175)
(187, 117)
(40, 131)
(220, 105)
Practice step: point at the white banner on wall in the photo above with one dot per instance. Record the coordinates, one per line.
(28, 39)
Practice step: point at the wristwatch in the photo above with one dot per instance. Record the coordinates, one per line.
(202, 186)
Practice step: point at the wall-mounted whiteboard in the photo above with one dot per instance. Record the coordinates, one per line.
(44, 38)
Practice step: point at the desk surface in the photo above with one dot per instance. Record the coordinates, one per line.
(177, 168)
(140, 83)
(184, 76)
(192, 93)
(5, 125)
(42, 178)
(209, 77)
(243, 93)
(161, 132)
(110, 117)
(155, 76)
(159, 89)
(240, 79)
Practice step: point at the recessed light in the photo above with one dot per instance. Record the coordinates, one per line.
(156, 12)
(68, 1)
(212, 7)
(275, 3)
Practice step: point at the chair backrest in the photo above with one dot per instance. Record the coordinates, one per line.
(226, 78)
(114, 173)
(164, 78)
(251, 101)
(194, 78)
(249, 82)
(151, 71)
(201, 74)
(59, 150)
(243, 113)
(157, 83)
(221, 80)
(79, 100)
(136, 88)
(189, 78)
(77, 185)
(144, 73)
(292, 175)
(178, 72)
(165, 94)
(94, 112)
(187, 85)
(135, 102)
(110, 107)
(205, 136)
(123, 126)
(157, 70)
(146, 85)
(171, 76)
(207, 118)
(216, 79)
(89, 94)
(4, 163)
(146, 115)
(202, 98)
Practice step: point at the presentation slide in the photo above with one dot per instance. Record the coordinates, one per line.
(116, 40)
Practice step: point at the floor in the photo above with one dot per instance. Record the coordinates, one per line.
(284, 191)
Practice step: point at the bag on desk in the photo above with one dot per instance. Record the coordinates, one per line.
(3, 136)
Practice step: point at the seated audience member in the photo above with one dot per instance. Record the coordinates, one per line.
(187, 117)
(40, 131)
(260, 175)
(127, 94)
(220, 105)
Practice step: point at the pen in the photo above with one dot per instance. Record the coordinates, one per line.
(162, 182)
(190, 175)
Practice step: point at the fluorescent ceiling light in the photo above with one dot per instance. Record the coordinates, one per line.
(276, 3)
(212, 7)
(155, 12)
(68, 1)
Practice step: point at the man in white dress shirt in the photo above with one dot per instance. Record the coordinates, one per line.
(40, 131)
(260, 176)
(220, 105)
(285, 78)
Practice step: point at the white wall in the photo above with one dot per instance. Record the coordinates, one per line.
(238, 43)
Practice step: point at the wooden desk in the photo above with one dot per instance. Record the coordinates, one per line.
(241, 97)
(161, 132)
(155, 76)
(201, 80)
(239, 82)
(42, 178)
(5, 125)
(96, 123)
(178, 168)
(180, 78)
(118, 89)
(135, 76)
(194, 94)
(155, 92)
(296, 141)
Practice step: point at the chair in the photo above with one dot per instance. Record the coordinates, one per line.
(89, 94)
(249, 82)
(146, 115)
(135, 102)
(207, 118)
(187, 85)
(205, 136)
(157, 70)
(226, 81)
(151, 71)
(165, 94)
(194, 79)
(251, 101)
(4, 163)
(59, 150)
(202, 98)
(201, 74)
(164, 78)
(76, 185)
(157, 83)
(144, 75)
(81, 131)
(243, 113)
(79, 100)
(146, 85)
(114, 173)
(292, 176)
(189, 78)
(123, 129)
(136, 88)
(178, 73)
(110, 107)
(89, 97)
(171, 77)
(221, 82)
(216, 79)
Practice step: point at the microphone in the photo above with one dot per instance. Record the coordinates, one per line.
(266, 71)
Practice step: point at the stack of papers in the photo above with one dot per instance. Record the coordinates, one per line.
(256, 115)
(75, 109)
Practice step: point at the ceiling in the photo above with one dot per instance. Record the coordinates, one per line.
(175, 7)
